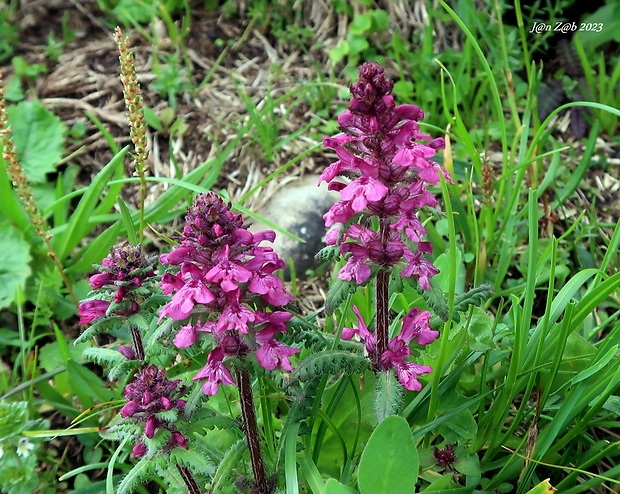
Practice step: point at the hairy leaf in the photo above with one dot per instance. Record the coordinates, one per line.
(338, 293)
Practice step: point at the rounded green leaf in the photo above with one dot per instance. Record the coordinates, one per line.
(14, 267)
(332, 486)
(390, 462)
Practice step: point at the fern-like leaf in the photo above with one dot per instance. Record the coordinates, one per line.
(329, 362)
(338, 293)
(328, 254)
(137, 476)
(194, 458)
(436, 300)
(475, 296)
(104, 325)
(230, 462)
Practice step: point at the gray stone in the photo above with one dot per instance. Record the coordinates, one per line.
(298, 208)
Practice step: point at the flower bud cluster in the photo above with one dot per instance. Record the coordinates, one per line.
(150, 399)
(387, 170)
(226, 280)
(117, 286)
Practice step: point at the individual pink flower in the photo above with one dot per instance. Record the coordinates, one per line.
(408, 373)
(419, 268)
(416, 327)
(187, 336)
(215, 372)
(356, 267)
(91, 310)
(369, 338)
(272, 352)
(362, 191)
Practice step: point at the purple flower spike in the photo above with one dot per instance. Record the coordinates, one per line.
(226, 273)
(379, 148)
(386, 162)
(121, 274)
(147, 395)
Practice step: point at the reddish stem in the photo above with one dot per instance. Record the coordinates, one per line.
(188, 478)
(250, 426)
(382, 299)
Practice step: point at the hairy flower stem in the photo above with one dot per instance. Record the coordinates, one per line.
(250, 425)
(188, 478)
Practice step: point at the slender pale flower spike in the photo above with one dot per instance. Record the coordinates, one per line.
(220, 274)
(386, 163)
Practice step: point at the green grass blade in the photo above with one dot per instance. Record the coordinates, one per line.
(78, 226)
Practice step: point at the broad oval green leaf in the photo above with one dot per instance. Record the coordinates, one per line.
(332, 486)
(390, 461)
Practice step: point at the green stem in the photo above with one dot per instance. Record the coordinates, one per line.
(142, 199)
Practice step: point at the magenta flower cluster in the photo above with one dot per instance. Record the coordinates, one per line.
(379, 150)
(387, 167)
(226, 283)
(150, 398)
(120, 276)
(415, 327)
